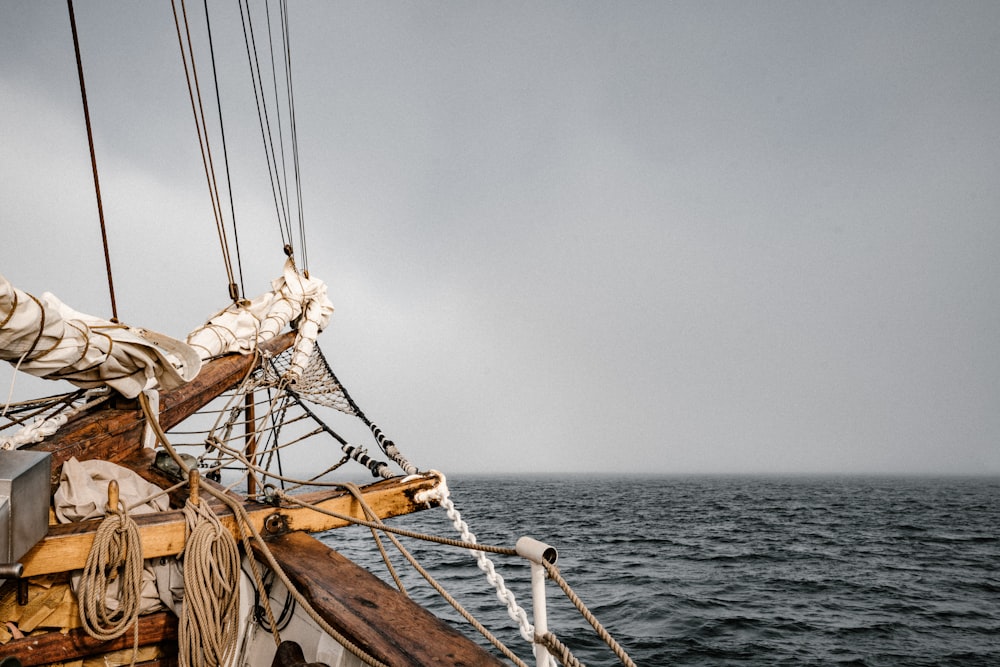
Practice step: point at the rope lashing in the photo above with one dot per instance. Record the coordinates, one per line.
(210, 614)
(390, 449)
(46, 425)
(360, 454)
(115, 557)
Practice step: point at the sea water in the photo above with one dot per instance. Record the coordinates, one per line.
(732, 570)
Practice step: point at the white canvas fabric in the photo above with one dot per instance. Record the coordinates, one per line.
(45, 337)
(83, 494)
(293, 300)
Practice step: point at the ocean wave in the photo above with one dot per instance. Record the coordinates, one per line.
(739, 571)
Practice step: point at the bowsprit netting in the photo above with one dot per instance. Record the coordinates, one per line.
(319, 384)
(248, 428)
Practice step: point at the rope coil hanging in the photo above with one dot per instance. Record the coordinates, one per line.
(114, 558)
(249, 532)
(210, 614)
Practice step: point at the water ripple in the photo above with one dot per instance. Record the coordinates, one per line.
(740, 570)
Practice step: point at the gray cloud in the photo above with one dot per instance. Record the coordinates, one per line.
(573, 236)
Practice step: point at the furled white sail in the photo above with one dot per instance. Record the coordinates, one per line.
(294, 299)
(45, 337)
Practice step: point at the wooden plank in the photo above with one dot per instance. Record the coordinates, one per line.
(76, 644)
(162, 534)
(392, 627)
(114, 433)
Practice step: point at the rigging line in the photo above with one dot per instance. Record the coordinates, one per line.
(277, 111)
(295, 136)
(203, 140)
(263, 119)
(93, 161)
(225, 152)
(278, 420)
(200, 119)
(261, 112)
(214, 184)
(200, 130)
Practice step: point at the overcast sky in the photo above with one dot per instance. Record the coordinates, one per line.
(566, 236)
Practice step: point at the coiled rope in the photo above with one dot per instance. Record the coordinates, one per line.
(245, 526)
(115, 557)
(210, 613)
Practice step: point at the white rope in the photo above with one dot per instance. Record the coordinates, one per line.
(36, 431)
(42, 428)
(514, 610)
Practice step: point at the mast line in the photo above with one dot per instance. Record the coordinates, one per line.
(93, 161)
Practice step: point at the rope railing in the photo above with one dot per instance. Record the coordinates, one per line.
(553, 572)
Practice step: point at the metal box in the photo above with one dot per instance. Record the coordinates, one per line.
(24, 502)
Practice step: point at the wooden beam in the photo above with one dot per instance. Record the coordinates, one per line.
(162, 534)
(390, 626)
(215, 377)
(112, 433)
(77, 644)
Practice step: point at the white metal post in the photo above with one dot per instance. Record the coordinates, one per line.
(536, 552)
(539, 612)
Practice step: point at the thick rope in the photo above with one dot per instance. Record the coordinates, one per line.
(390, 531)
(210, 613)
(553, 573)
(245, 526)
(558, 649)
(443, 496)
(43, 427)
(493, 639)
(514, 610)
(115, 554)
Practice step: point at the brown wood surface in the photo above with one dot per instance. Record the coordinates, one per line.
(114, 433)
(76, 644)
(162, 534)
(358, 604)
(160, 662)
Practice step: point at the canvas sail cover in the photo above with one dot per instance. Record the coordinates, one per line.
(45, 337)
(294, 299)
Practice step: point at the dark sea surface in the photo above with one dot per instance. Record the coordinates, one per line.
(733, 570)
